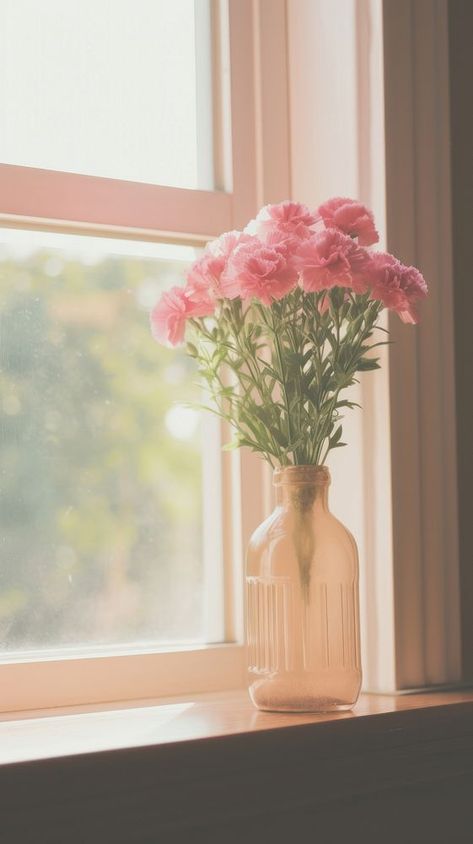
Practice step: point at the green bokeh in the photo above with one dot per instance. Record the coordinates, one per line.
(100, 506)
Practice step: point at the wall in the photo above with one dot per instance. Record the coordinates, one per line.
(460, 16)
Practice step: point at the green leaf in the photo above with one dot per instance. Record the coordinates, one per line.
(367, 364)
(232, 445)
(335, 438)
(337, 296)
(356, 325)
(346, 403)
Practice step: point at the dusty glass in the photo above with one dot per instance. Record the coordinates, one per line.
(101, 471)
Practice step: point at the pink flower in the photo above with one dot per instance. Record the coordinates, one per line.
(169, 316)
(260, 270)
(351, 217)
(284, 221)
(398, 287)
(330, 258)
(227, 243)
(204, 277)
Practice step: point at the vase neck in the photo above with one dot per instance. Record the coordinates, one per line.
(302, 487)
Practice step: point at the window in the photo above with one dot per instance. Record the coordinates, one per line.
(103, 492)
(110, 90)
(258, 69)
(119, 488)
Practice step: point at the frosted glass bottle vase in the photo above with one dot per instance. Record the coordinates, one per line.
(303, 629)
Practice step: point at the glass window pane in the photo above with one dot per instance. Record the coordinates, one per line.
(101, 470)
(116, 88)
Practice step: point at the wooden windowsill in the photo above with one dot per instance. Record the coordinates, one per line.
(46, 734)
(213, 766)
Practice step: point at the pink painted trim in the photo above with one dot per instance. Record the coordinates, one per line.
(27, 192)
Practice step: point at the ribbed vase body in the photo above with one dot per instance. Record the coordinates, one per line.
(303, 630)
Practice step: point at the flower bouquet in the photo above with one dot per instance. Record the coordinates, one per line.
(281, 319)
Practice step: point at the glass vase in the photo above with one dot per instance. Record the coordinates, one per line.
(302, 601)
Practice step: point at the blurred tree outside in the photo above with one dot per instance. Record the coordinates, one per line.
(100, 467)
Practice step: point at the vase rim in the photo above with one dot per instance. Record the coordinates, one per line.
(309, 474)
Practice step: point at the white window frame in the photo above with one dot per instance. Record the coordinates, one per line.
(245, 76)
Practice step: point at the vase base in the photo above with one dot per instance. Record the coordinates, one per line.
(315, 708)
(293, 693)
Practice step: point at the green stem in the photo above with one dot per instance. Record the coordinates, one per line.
(277, 345)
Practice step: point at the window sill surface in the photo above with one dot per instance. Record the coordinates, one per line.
(47, 734)
(214, 767)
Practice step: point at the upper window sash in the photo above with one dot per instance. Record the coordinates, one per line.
(35, 197)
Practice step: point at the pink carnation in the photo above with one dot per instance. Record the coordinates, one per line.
(351, 217)
(285, 221)
(260, 270)
(398, 287)
(227, 243)
(204, 277)
(169, 316)
(330, 258)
